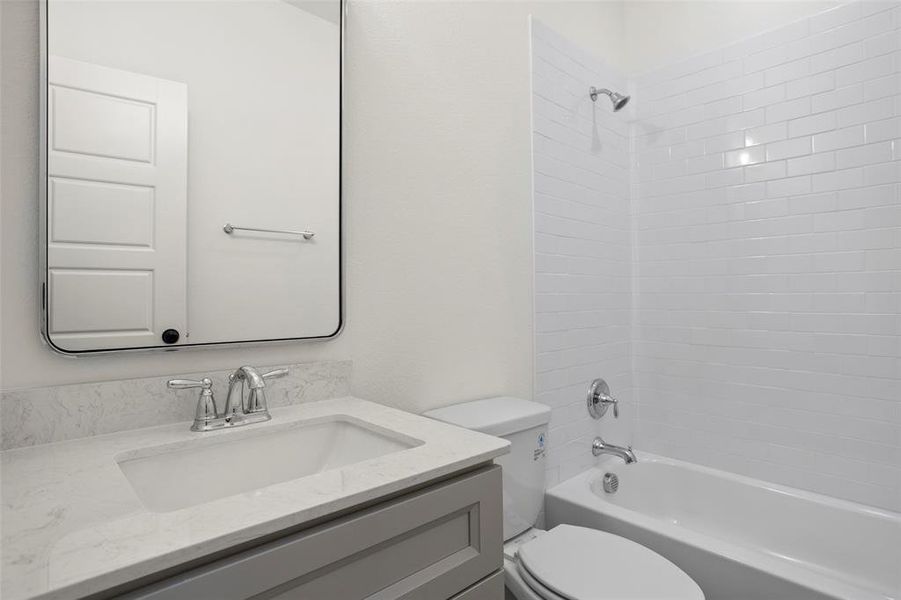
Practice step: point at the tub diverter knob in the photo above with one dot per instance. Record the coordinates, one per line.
(599, 400)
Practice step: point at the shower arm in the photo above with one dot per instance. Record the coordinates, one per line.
(595, 92)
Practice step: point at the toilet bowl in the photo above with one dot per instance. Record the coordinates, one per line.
(578, 563)
(566, 562)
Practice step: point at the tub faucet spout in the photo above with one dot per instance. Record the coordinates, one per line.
(599, 446)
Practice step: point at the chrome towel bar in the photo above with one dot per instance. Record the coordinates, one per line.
(229, 228)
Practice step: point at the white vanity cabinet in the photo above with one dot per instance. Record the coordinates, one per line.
(439, 542)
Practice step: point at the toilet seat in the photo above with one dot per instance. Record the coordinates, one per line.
(534, 585)
(578, 563)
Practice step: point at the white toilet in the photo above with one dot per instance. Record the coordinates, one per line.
(567, 562)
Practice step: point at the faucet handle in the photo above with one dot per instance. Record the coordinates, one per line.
(600, 399)
(185, 384)
(274, 374)
(206, 410)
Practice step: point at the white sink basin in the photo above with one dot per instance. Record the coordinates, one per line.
(176, 476)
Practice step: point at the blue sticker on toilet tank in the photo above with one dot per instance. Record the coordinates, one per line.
(539, 451)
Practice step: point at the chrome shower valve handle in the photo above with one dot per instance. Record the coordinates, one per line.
(599, 400)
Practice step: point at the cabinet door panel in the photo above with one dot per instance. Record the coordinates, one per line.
(433, 548)
(490, 588)
(429, 545)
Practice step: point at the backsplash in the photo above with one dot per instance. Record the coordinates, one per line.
(583, 290)
(53, 414)
(768, 335)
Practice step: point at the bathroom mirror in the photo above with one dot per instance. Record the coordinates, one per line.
(191, 172)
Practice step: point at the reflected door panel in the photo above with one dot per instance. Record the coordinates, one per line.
(117, 190)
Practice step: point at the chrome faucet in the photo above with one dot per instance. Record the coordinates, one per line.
(237, 412)
(599, 446)
(599, 400)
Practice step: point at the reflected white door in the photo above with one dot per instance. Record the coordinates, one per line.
(117, 199)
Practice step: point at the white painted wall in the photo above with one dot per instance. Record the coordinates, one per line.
(583, 259)
(437, 207)
(768, 332)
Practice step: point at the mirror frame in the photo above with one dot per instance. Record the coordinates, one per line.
(43, 200)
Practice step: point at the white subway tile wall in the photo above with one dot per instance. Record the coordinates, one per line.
(768, 215)
(583, 260)
(727, 252)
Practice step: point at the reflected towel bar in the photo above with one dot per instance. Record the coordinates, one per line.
(229, 228)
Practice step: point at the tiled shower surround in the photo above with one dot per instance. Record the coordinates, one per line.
(766, 256)
(583, 257)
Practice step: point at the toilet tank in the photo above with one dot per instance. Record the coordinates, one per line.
(524, 424)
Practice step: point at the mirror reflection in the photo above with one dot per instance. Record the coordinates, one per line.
(193, 165)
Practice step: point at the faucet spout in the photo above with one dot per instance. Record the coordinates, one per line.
(254, 379)
(256, 408)
(235, 407)
(599, 446)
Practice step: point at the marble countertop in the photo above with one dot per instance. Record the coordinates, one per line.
(72, 525)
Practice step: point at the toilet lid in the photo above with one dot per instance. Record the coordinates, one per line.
(586, 564)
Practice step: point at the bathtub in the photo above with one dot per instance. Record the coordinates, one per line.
(740, 538)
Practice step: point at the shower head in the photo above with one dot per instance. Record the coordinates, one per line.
(616, 98)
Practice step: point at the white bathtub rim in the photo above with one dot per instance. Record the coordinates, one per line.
(775, 487)
(756, 559)
(578, 491)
